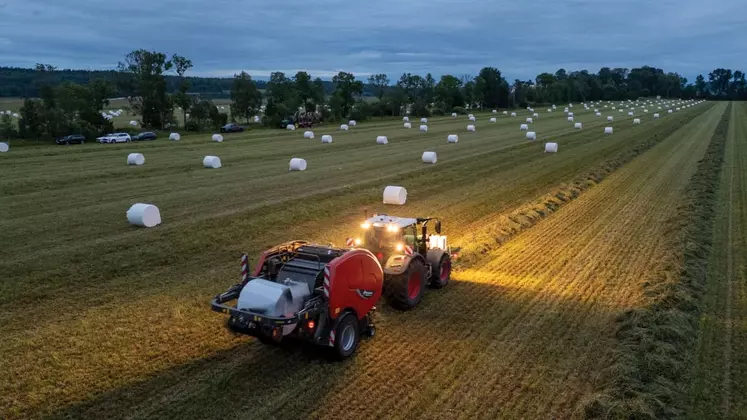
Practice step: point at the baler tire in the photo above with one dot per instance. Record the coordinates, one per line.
(441, 274)
(342, 348)
(404, 296)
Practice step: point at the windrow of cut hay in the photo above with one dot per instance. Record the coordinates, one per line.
(526, 216)
(656, 341)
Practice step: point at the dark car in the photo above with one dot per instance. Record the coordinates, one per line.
(231, 128)
(72, 139)
(148, 135)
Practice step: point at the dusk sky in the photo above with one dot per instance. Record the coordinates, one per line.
(522, 39)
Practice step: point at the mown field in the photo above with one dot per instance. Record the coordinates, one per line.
(99, 319)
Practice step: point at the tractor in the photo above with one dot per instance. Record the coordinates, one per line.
(320, 294)
(410, 256)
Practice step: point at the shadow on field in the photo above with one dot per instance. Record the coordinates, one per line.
(468, 328)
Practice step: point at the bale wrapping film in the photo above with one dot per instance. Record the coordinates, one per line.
(578, 126)
(405, 119)
(4, 147)
(145, 215)
(290, 127)
(133, 123)
(551, 147)
(424, 121)
(453, 138)
(472, 118)
(570, 119)
(352, 123)
(636, 120)
(429, 157)
(211, 162)
(344, 127)
(513, 114)
(524, 127)
(424, 128)
(218, 138)
(395, 195)
(630, 114)
(656, 116)
(136, 159)
(471, 128)
(493, 120)
(326, 138)
(453, 115)
(505, 112)
(535, 115)
(608, 130)
(407, 125)
(529, 120)
(382, 140)
(610, 118)
(308, 134)
(175, 137)
(495, 111)
(297, 164)
(670, 111)
(531, 135)
(598, 114)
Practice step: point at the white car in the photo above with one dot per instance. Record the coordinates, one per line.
(115, 138)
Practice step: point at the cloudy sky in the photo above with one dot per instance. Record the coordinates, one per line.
(521, 38)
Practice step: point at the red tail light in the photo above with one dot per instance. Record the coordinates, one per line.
(380, 256)
(311, 325)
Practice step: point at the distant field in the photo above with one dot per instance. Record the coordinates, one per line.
(99, 319)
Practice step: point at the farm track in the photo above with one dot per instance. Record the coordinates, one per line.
(718, 377)
(149, 341)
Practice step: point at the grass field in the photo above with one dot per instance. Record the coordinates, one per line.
(99, 319)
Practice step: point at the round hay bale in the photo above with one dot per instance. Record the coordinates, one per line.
(395, 195)
(405, 119)
(453, 138)
(530, 121)
(472, 118)
(551, 147)
(344, 127)
(570, 119)
(217, 138)
(326, 138)
(608, 130)
(493, 120)
(524, 127)
(407, 125)
(669, 111)
(144, 215)
(297, 164)
(290, 127)
(4, 147)
(630, 114)
(133, 123)
(610, 118)
(382, 140)
(257, 119)
(175, 137)
(549, 109)
(636, 120)
(505, 112)
(535, 115)
(429, 157)
(578, 126)
(308, 134)
(424, 128)
(531, 135)
(211, 162)
(453, 115)
(15, 115)
(136, 159)
(352, 123)
(471, 127)
(656, 116)
(495, 111)
(424, 120)
(598, 114)
(513, 114)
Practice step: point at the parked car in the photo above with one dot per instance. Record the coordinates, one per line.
(231, 128)
(115, 138)
(71, 139)
(147, 135)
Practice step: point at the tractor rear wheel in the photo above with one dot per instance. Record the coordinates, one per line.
(347, 337)
(442, 274)
(408, 287)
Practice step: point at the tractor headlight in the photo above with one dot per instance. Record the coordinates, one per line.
(358, 241)
(365, 225)
(400, 247)
(392, 228)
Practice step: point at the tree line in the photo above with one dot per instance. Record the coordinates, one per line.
(157, 84)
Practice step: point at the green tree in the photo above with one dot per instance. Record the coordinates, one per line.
(492, 89)
(181, 98)
(379, 82)
(448, 92)
(148, 83)
(347, 89)
(7, 127)
(304, 88)
(700, 85)
(246, 98)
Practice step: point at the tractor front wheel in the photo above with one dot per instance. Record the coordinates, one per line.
(347, 337)
(408, 288)
(441, 274)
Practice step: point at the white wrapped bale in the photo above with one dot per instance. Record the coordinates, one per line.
(217, 138)
(549, 110)
(630, 114)
(429, 157)
(570, 114)
(133, 123)
(290, 127)
(136, 159)
(382, 140)
(531, 135)
(505, 112)
(570, 119)
(211, 162)
(405, 119)
(4, 147)
(578, 126)
(326, 139)
(493, 120)
(565, 110)
(407, 125)
(495, 111)
(524, 127)
(395, 195)
(645, 111)
(472, 118)
(453, 138)
(610, 118)
(669, 111)
(344, 127)
(513, 114)
(608, 130)
(424, 128)
(453, 115)
(297, 164)
(471, 128)
(308, 134)
(257, 119)
(15, 115)
(352, 123)
(636, 120)
(424, 121)
(470, 115)
(175, 137)
(535, 115)
(144, 215)
(656, 116)
(530, 120)
(551, 147)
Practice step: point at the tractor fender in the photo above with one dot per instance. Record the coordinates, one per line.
(398, 264)
(434, 257)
